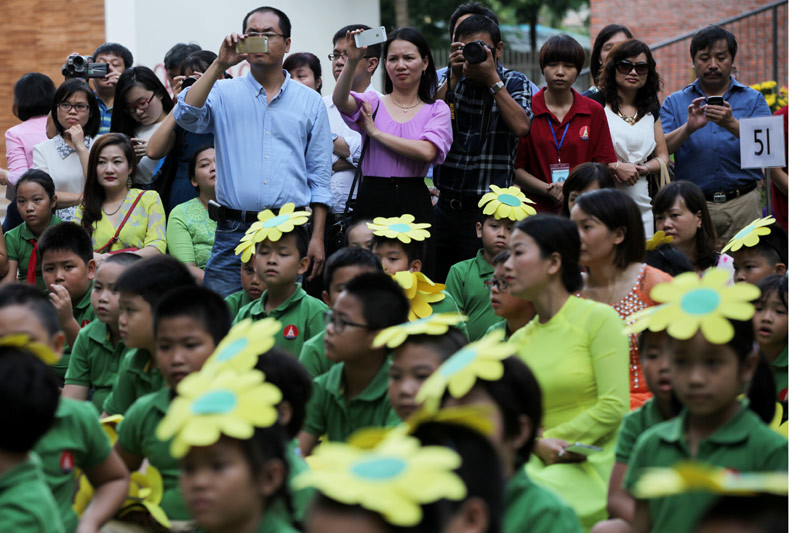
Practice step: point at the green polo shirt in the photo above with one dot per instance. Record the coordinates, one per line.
(301, 498)
(301, 315)
(780, 369)
(530, 508)
(75, 440)
(137, 376)
(744, 444)
(137, 436)
(312, 356)
(330, 412)
(83, 312)
(19, 248)
(236, 301)
(633, 425)
(502, 326)
(449, 305)
(26, 503)
(95, 361)
(466, 282)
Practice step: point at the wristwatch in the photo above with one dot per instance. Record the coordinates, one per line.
(494, 89)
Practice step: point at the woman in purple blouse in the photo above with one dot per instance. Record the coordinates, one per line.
(410, 130)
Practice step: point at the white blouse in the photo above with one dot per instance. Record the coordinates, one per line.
(62, 163)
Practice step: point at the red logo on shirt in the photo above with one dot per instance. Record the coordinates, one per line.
(67, 461)
(84, 323)
(585, 133)
(783, 395)
(290, 332)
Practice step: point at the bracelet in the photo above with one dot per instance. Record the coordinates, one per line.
(617, 165)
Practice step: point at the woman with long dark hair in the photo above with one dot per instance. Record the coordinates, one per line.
(629, 86)
(610, 35)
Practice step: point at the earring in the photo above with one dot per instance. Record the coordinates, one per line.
(130, 182)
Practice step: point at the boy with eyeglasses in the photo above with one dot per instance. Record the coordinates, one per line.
(353, 394)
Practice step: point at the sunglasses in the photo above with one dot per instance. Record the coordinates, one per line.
(625, 67)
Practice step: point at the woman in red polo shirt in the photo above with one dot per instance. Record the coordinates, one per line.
(567, 129)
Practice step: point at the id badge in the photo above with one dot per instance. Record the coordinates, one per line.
(559, 172)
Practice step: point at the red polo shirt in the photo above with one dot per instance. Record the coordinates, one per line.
(587, 140)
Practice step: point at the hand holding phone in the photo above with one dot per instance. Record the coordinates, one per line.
(370, 37)
(715, 100)
(253, 45)
(583, 449)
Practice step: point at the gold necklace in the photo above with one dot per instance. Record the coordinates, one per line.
(626, 118)
(404, 108)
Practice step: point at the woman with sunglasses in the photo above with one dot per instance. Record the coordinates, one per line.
(142, 105)
(629, 86)
(65, 157)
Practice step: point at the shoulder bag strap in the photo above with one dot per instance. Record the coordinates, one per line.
(113, 239)
(358, 178)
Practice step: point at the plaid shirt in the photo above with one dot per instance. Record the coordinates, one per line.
(484, 149)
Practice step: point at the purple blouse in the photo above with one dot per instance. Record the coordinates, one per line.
(431, 123)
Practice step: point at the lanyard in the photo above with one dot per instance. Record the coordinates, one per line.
(558, 144)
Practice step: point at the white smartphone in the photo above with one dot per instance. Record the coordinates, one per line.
(370, 37)
(252, 45)
(583, 449)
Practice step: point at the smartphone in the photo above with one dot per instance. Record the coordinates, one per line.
(252, 45)
(583, 449)
(214, 211)
(715, 100)
(370, 37)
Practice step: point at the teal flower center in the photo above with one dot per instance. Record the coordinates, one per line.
(509, 199)
(232, 350)
(275, 221)
(744, 232)
(217, 402)
(400, 227)
(379, 469)
(458, 362)
(700, 301)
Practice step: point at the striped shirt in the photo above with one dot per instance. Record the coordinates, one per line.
(105, 116)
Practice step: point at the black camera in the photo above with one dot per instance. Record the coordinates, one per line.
(187, 82)
(475, 52)
(78, 66)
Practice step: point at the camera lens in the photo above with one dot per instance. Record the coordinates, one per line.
(78, 61)
(474, 52)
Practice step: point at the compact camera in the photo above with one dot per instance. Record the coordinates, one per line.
(78, 66)
(475, 52)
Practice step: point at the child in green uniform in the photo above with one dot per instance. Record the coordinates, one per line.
(189, 323)
(715, 427)
(26, 503)
(75, 439)
(68, 268)
(353, 393)
(515, 312)
(771, 323)
(278, 263)
(759, 250)
(342, 266)
(98, 350)
(141, 286)
(36, 201)
(252, 289)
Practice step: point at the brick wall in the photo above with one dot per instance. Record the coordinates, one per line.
(656, 22)
(37, 35)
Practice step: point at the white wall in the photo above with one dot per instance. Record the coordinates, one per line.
(207, 22)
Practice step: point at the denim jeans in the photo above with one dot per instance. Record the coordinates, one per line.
(223, 270)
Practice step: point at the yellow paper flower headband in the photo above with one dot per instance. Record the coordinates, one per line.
(394, 479)
(24, 342)
(482, 359)
(508, 203)
(270, 226)
(209, 406)
(690, 303)
(402, 228)
(246, 340)
(437, 324)
(421, 293)
(750, 235)
(657, 240)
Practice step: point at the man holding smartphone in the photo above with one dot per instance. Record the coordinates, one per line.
(701, 126)
(273, 141)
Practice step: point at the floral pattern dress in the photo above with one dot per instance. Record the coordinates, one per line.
(146, 226)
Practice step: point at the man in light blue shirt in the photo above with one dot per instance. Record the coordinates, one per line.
(704, 135)
(273, 143)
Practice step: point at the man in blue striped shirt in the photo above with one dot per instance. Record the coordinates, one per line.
(118, 58)
(273, 142)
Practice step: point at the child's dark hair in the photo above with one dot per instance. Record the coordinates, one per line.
(66, 237)
(501, 257)
(554, 234)
(774, 247)
(444, 345)
(582, 177)
(41, 178)
(669, 259)
(383, 301)
(414, 250)
(93, 194)
(285, 372)
(124, 259)
(345, 257)
(30, 297)
(301, 240)
(201, 304)
(480, 471)
(563, 48)
(706, 238)
(617, 210)
(29, 394)
(774, 284)
(153, 277)
(193, 162)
